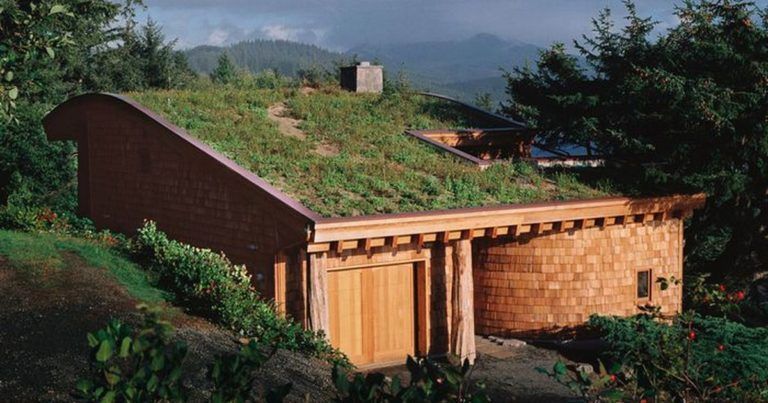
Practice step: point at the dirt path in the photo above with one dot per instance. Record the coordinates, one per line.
(45, 315)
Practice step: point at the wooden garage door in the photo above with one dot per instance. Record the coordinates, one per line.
(371, 312)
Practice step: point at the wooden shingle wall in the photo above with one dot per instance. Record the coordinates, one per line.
(133, 168)
(558, 280)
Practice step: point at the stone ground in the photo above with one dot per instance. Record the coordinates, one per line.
(509, 373)
(44, 317)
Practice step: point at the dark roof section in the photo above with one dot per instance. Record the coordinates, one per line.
(500, 121)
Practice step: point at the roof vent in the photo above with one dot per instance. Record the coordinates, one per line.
(363, 77)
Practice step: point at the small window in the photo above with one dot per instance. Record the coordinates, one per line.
(644, 284)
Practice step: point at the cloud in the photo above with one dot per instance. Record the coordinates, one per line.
(286, 33)
(341, 24)
(218, 37)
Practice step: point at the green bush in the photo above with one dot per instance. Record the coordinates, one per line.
(602, 385)
(209, 284)
(233, 375)
(429, 382)
(146, 366)
(130, 366)
(693, 357)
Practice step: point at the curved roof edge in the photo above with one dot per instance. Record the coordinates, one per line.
(476, 109)
(59, 125)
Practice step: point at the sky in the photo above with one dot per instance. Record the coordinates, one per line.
(343, 24)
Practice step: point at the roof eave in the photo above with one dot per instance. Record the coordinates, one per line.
(505, 216)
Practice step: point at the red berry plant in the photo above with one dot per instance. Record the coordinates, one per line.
(690, 358)
(716, 299)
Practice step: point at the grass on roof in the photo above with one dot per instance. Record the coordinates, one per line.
(354, 159)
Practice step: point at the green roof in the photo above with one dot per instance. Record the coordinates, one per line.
(349, 156)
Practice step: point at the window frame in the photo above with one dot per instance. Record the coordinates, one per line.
(649, 297)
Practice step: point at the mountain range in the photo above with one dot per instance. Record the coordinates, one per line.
(459, 68)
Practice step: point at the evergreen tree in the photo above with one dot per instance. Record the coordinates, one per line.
(225, 72)
(51, 50)
(686, 109)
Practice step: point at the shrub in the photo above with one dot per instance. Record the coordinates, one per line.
(146, 366)
(233, 375)
(692, 357)
(720, 300)
(209, 284)
(594, 386)
(142, 366)
(430, 382)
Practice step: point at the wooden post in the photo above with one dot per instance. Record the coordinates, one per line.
(462, 303)
(280, 282)
(318, 293)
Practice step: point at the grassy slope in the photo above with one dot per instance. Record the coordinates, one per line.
(39, 251)
(377, 169)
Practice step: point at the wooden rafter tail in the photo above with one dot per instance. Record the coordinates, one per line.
(419, 241)
(492, 233)
(445, 237)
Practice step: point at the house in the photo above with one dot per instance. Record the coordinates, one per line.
(381, 286)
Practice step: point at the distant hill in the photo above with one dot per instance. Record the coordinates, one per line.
(462, 68)
(480, 56)
(286, 57)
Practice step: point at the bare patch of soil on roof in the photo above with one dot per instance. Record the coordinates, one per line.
(327, 150)
(306, 90)
(289, 126)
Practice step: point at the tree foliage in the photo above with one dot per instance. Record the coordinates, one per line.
(225, 72)
(51, 50)
(284, 57)
(687, 108)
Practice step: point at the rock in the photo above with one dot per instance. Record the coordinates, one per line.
(514, 343)
(586, 368)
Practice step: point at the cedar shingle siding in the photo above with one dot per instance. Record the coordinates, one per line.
(534, 267)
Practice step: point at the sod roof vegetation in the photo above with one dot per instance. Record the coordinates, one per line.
(350, 156)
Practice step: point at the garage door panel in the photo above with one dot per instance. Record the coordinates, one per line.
(372, 312)
(346, 326)
(394, 321)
